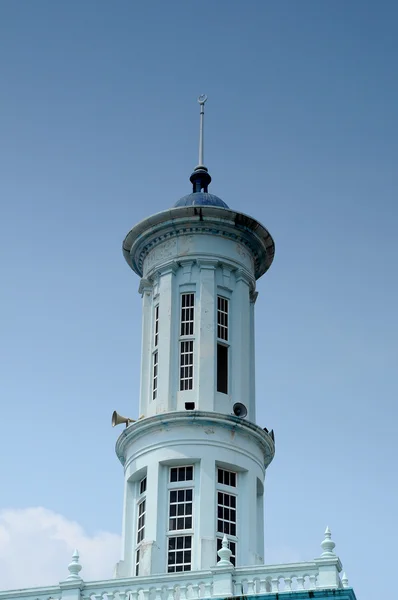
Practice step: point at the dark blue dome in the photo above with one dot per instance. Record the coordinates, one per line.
(201, 199)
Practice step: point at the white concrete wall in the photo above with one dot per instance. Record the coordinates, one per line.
(208, 265)
(205, 444)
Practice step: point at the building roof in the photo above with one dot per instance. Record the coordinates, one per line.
(201, 199)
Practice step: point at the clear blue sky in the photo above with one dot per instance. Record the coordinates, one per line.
(98, 128)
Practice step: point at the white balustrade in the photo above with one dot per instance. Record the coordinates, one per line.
(266, 579)
(224, 580)
(43, 593)
(191, 585)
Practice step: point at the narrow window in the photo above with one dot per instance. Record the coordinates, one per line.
(226, 477)
(143, 486)
(222, 368)
(181, 474)
(156, 328)
(226, 511)
(179, 554)
(141, 513)
(222, 344)
(222, 318)
(186, 365)
(155, 354)
(141, 521)
(137, 563)
(155, 358)
(179, 557)
(186, 345)
(187, 314)
(180, 509)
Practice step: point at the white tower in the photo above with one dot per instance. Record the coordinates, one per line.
(195, 460)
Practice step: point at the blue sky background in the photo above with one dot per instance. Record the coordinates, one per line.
(99, 129)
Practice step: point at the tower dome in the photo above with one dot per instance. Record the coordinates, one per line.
(200, 199)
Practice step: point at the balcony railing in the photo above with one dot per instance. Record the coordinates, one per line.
(222, 581)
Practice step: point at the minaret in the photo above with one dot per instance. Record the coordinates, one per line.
(195, 460)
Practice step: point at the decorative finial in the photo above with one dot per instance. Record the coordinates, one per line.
(224, 553)
(202, 100)
(328, 544)
(344, 580)
(74, 567)
(200, 178)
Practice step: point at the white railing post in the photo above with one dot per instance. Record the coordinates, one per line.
(329, 565)
(300, 582)
(288, 584)
(222, 573)
(344, 580)
(207, 589)
(72, 586)
(263, 586)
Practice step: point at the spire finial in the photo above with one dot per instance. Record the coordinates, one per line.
(202, 100)
(200, 178)
(328, 544)
(344, 580)
(224, 553)
(74, 567)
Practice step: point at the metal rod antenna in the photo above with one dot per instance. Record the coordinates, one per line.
(202, 99)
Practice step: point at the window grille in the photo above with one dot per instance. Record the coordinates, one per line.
(180, 509)
(180, 519)
(155, 354)
(187, 314)
(141, 513)
(226, 477)
(222, 318)
(141, 521)
(186, 365)
(143, 486)
(186, 346)
(181, 474)
(222, 345)
(137, 563)
(155, 375)
(179, 554)
(226, 513)
(156, 328)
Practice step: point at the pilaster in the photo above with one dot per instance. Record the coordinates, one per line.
(252, 361)
(128, 528)
(166, 400)
(241, 343)
(153, 509)
(206, 382)
(145, 290)
(207, 518)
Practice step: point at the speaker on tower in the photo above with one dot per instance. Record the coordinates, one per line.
(118, 419)
(240, 410)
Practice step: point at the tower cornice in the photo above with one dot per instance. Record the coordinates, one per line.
(166, 226)
(178, 419)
